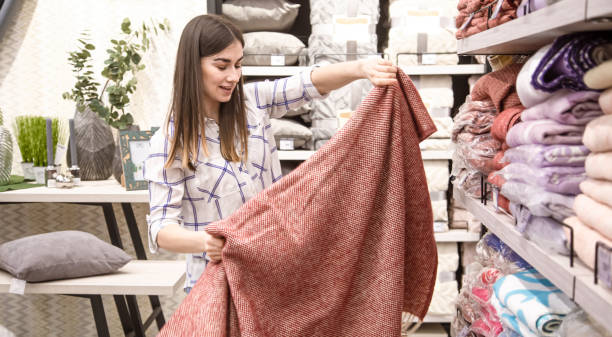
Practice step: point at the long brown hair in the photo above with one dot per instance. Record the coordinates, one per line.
(203, 36)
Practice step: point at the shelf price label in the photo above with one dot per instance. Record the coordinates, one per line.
(277, 60)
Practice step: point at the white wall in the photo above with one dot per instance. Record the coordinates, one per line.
(34, 71)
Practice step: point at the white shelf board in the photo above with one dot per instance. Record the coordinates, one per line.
(459, 69)
(438, 318)
(304, 154)
(554, 267)
(528, 33)
(271, 70)
(599, 9)
(595, 299)
(457, 235)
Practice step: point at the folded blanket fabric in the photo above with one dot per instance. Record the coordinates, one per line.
(468, 180)
(574, 108)
(477, 151)
(547, 155)
(434, 40)
(594, 214)
(436, 144)
(497, 163)
(597, 166)
(439, 209)
(529, 95)
(444, 293)
(559, 179)
(584, 240)
(569, 58)
(444, 126)
(534, 300)
(538, 201)
(599, 76)
(599, 190)
(249, 293)
(435, 91)
(544, 131)
(505, 120)
(605, 102)
(407, 60)
(322, 12)
(508, 319)
(437, 175)
(448, 257)
(499, 87)
(474, 117)
(544, 231)
(598, 134)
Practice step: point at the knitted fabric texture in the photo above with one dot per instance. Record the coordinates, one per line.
(339, 247)
(499, 87)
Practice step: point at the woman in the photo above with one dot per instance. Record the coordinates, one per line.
(216, 150)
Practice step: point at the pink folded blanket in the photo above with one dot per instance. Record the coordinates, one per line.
(544, 132)
(339, 247)
(596, 215)
(575, 108)
(584, 240)
(599, 165)
(605, 101)
(598, 134)
(600, 190)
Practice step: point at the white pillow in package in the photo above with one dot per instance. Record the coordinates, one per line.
(261, 47)
(261, 15)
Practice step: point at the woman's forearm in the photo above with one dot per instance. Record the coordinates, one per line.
(179, 240)
(333, 76)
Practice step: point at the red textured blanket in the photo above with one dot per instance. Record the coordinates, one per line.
(339, 247)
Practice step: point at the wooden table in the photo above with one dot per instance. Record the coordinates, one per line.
(102, 193)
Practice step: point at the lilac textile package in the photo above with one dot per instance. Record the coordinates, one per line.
(544, 131)
(569, 58)
(528, 6)
(540, 202)
(558, 179)
(546, 232)
(573, 108)
(547, 155)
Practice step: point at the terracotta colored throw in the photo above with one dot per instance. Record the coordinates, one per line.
(339, 247)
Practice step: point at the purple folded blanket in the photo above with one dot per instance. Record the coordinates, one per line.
(558, 179)
(544, 131)
(545, 231)
(540, 202)
(547, 155)
(573, 108)
(569, 58)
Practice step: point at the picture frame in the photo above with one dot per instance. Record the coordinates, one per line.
(134, 147)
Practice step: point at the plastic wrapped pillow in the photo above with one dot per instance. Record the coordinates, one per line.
(261, 15)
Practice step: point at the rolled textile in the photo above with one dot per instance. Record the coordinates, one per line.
(540, 202)
(598, 134)
(474, 117)
(534, 300)
(544, 231)
(544, 131)
(605, 102)
(574, 108)
(597, 165)
(569, 58)
(506, 120)
(547, 155)
(594, 214)
(599, 190)
(498, 87)
(444, 126)
(527, 93)
(584, 240)
(559, 179)
(599, 77)
(508, 319)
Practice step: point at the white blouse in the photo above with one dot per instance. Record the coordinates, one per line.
(218, 187)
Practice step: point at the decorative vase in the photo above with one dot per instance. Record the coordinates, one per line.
(95, 146)
(28, 170)
(117, 162)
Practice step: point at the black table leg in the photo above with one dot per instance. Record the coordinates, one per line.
(111, 223)
(97, 307)
(135, 314)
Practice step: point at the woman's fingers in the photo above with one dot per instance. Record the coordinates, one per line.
(214, 246)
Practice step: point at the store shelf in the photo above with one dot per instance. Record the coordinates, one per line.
(303, 155)
(457, 235)
(271, 70)
(438, 318)
(528, 33)
(576, 282)
(460, 69)
(597, 9)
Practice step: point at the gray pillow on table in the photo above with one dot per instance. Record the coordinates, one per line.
(60, 255)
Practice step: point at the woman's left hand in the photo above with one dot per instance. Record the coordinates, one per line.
(379, 71)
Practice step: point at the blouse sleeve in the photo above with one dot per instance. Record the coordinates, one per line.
(166, 188)
(279, 96)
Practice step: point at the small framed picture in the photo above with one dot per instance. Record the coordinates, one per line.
(134, 150)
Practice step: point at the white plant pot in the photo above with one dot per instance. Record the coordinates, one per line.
(39, 174)
(28, 171)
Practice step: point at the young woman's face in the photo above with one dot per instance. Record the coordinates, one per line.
(221, 73)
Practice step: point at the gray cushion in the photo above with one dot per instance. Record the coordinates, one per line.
(261, 15)
(60, 255)
(258, 47)
(286, 128)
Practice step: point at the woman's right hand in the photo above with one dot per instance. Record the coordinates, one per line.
(213, 246)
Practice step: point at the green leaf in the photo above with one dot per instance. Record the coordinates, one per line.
(136, 58)
(90, 46)
(125, 26)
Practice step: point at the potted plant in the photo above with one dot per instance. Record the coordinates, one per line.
(38, 144)
(21, 129)
(6, 153)
(109, 104)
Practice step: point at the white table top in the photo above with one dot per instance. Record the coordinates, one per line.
(152, 277)
(89, 191)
